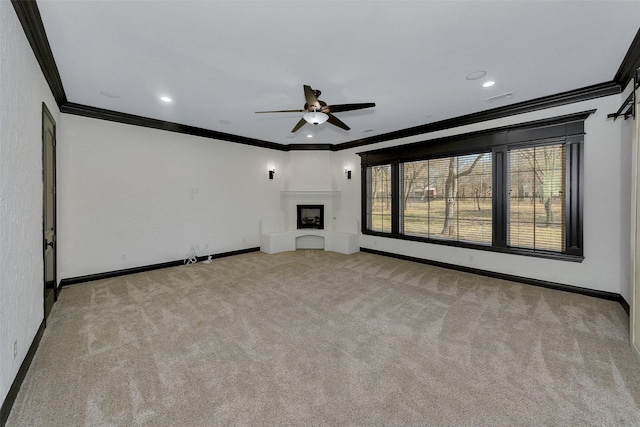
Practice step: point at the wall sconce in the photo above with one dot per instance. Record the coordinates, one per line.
(348, 173)
(271, 173)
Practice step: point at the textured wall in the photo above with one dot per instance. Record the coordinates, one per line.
(22, 91)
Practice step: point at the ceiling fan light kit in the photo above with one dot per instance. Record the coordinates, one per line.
(316, 117)
(318, 112)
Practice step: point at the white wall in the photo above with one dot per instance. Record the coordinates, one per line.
(149, 195)
(22, 91)
(606, 208)
(309, 170)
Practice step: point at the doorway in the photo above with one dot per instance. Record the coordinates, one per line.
(49, 209)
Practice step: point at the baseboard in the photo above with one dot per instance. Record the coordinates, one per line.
(527, 280)
(623, 302)
(22, 372)
(144, 268)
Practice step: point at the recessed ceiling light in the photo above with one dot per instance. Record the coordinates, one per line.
(225, 122)
(165, 99)
(488, 84)
(109, 94)
(476, 75)
(367, 130)
(309, 136)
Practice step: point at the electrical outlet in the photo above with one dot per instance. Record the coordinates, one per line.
(206, 248)
(15, 348)
(123, 257)
(196, 247)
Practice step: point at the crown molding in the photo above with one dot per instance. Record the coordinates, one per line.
(31, 21)
(308, 147)
(453, 143)
(583, 94)
(130, 119)
(630, 63)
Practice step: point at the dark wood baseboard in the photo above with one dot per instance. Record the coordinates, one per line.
(527, 280)
(22, 372)
(141, 269)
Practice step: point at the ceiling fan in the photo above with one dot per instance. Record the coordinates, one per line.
(317, 111)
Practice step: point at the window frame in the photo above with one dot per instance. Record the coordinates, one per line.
(497, 141)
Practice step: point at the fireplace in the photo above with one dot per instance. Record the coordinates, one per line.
(311, 216)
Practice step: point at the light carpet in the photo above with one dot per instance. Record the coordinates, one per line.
(319, 338)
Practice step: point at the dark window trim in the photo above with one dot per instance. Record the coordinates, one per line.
(396, 195)
(568, 128)
(574, 171)
(500, 206)
(477, 246)
(554, 127)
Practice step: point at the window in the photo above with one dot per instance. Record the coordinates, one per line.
(379, 198)
(448, 198)
(516, 189)
(536, 197)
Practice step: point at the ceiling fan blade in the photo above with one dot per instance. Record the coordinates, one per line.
(337, 122)
(350, 107)
(298, 125)
(281, 111)
(310, 97)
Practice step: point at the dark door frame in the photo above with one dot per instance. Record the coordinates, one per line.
(50, 295)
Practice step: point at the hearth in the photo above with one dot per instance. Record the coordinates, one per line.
(310, 216)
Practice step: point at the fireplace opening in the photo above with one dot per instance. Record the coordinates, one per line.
(311, 216)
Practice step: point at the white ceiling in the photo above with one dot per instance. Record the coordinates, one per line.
(220, 61)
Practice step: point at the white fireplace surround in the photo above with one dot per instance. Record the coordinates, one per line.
(279, 233)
